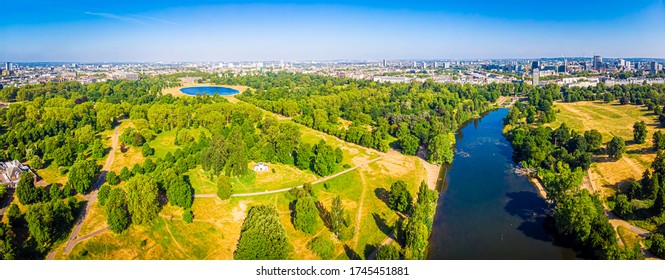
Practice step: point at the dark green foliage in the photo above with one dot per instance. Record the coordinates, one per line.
(340, 220)
(399, 198)
(82, 174)
(658, 140)
(149, 166)
(324, 159)
(125, 174)
(322, 246)
(387, 252)
(118, 219)
(304, 156)
(188, 216)
(103, 194)
(55, 192)
(616, 147)
(97, 149)
(657, 245)
(339, 155)
(47, 222)
(224, 187)
(26, 191)
(440, 148)
(262, 236)
(117, 215)
(63, 156)
(409, 144)
(178, 191)
(639, 132)
(305, 215)
(142, 200)
(36, 162)
(659, 202)
(416, 234)
(137, 169)
(13, 214)
(622, 206)
(146, 150)
(112, 178)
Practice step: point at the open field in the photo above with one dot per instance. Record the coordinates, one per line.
(217, 223)
(612, 119)
(216, 226)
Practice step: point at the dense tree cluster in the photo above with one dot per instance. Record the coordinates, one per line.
(561, 156)
(414, 231)
(262, 236)
(305, 214)
(414, 113)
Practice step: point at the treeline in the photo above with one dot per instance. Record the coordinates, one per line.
(561, 156)
(373, 114)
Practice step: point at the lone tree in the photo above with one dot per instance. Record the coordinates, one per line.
(399, 198)
(616, 147)
(178, 191)
(117, 215)
(262, 236)
(224, 188)
(305, 215)
(658, 140)
(142, 200)
(639, 132)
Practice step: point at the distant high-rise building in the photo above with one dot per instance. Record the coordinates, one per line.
(597, 62)
(535, 64)
(435, 64)
(8, 66)
(415, 64)
(565, 65)
(424, 65)
(655, 67)
(385, 64)
(535, 75)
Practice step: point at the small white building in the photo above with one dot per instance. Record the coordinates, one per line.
(261, 167)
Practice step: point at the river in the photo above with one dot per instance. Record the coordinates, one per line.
(485, 211)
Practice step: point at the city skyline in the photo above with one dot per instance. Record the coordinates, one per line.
(341, 30)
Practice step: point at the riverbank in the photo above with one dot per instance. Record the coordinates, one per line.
(433, 172)
(537, 183)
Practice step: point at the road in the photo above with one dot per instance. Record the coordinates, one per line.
(90, 199)
(299, 186)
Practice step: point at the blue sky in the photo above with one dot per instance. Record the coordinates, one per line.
(204, 30)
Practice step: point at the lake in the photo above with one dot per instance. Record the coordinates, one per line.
(210, 90)
(485, 211)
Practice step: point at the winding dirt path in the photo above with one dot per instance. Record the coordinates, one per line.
(175, 241)
(360, 210)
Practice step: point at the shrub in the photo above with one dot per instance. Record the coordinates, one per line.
(322, 246)
(387, 252)
(188, 216)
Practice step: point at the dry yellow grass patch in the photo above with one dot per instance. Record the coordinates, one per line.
(612, 120)
(94, 220)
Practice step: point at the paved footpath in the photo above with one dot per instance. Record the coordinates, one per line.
(299, 186)
(90, 199)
